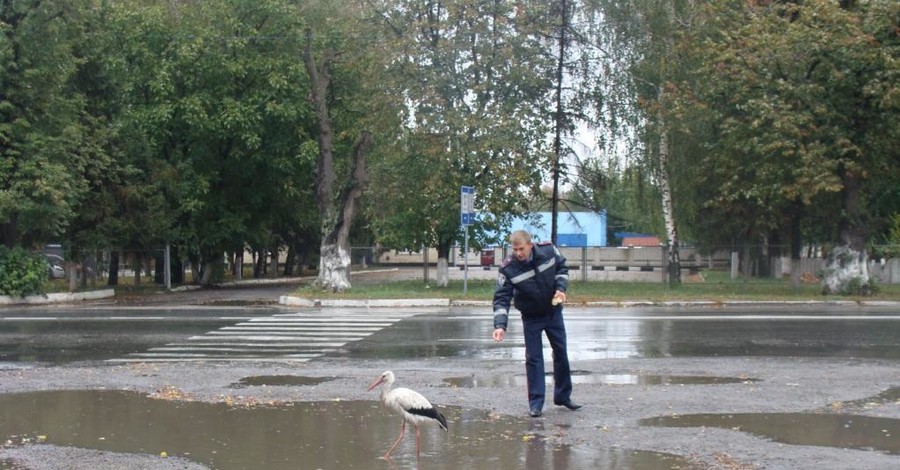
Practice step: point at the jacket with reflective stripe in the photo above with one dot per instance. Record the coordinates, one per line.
(530, 284)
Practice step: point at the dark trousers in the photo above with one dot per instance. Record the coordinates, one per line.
(553, 326)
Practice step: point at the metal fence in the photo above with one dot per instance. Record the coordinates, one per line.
(93, 267)
(635, 263)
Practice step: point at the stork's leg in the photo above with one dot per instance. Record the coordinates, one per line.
(387, 456)
(418, 441)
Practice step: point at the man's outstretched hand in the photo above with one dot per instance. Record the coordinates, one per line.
(499, 334)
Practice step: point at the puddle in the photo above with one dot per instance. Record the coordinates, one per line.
(280, 381)
(582, 377)
(889, 396)
(326, 435)
(829, 430)
(650, 379)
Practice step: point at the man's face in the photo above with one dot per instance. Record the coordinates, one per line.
(521, 250)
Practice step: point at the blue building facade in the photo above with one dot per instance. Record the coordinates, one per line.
(574, 229)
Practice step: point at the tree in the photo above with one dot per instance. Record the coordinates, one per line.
(214, 122)
(476, 95)
(637, 40)
(44, 147)
(344, 73)
(803, 96)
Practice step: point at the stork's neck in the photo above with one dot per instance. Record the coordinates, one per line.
(385, 389)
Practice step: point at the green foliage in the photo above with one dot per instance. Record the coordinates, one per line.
(628, 195)
(132, 123)
(793, 102)
(21, 272)
(42, 140)
(472, 82)
(889, 245)
(893, 234)
(210, 127)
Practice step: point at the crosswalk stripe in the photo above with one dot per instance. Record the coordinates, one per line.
(323, 329)
(314, 323)
(293, 337)
(276, 337)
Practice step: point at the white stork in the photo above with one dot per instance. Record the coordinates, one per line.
(410, 405)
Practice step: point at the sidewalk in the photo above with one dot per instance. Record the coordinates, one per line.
(279, 291)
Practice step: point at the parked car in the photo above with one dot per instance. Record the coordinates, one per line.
(55, 267)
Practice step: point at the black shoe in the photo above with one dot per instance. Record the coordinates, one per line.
(535, 413)
(569, 404)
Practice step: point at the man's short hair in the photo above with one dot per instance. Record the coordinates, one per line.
(520, 236)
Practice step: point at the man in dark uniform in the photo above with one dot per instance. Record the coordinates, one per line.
(535, 278)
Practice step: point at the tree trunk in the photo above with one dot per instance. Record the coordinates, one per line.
(205, 275)
(137, 268)
(274, 269)
(71, 271)
(113, 279)
(9, 232)
(443, 272)
(673, 260)
(290, 260)
(177, 270)
(334, 268)
(847, 267)
(796, 247)
(196, 268)
(560, 121)
(443, 264)
(425, 264)
(335, 217)
(159, 267)
(334, 257)
(258, 263)
(85, 263)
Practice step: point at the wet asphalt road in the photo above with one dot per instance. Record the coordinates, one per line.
(630, 365)
(65, 335)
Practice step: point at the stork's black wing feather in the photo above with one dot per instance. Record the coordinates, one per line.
(432, 413)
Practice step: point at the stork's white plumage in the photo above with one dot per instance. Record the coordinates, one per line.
(410, 405)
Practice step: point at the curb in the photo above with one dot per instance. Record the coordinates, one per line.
(65, 297)
(292, 301)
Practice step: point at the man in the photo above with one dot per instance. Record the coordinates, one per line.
(535, 278)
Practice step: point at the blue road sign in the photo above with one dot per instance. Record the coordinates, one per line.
(467, 205)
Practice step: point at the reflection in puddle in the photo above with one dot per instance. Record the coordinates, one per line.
(328, 435)
(582, 377)
(280, 381)
(830, 430)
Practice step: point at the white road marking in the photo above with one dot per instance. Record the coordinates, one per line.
(297, 337)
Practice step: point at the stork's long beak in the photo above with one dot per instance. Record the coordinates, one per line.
(375, 384)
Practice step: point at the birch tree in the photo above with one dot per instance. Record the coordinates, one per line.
(637, 37)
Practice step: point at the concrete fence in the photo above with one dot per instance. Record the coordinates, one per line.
(599, 263)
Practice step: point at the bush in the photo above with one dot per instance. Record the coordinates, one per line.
(21, 272)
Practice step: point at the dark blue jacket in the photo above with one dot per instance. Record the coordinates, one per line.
(531, 284)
